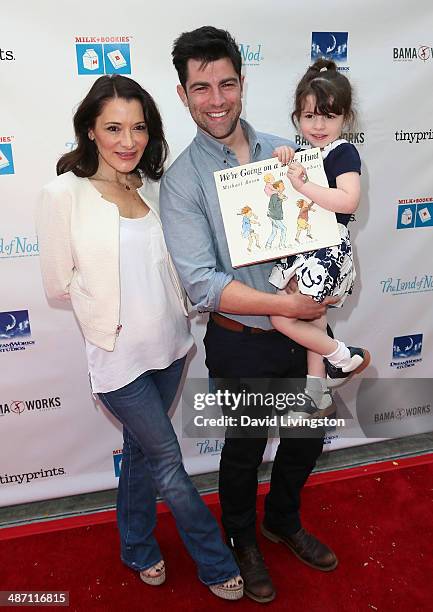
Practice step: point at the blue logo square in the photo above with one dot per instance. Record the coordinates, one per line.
(14, 324)
(117, 59)
(6, 159)
(407, 346)
(332, 45)
(406, 216)
(424, 215)
(90, 59)
(117, 460)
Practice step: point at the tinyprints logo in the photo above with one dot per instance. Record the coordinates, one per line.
(103, 54)
(413, 137)
(355, 138)
(6, 55)
(26, 477)
(26, 406)
(210, 447)
(117, 462)
(400, 286)
(251, 54)
(19, 246)
(415, 213)
(406, 350)
(6, 155)
(330, 45)
(14, 325)
(422, 53)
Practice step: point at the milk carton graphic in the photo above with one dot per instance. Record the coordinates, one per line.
(424, 214)
(117, 59)
(90, 60)
(6, 159)
(4, 162)
(406, 217)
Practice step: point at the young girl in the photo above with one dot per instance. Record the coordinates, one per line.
(323, 105)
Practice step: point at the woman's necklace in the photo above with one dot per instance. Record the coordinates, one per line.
(102, 178)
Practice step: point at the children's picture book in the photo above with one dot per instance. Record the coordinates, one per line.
(265, 218)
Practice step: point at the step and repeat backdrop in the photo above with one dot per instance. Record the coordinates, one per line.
(55, 439)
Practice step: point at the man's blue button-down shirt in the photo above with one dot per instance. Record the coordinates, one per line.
(193, 225)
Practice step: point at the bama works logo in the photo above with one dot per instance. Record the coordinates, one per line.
(19, 407)
(330, 45)
(103, 54)
(15, 332)
(420, 53)
(356, 138)
(6, 155)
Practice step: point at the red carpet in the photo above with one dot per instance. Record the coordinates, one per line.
(377, 518)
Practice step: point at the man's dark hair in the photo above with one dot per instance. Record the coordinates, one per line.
(207, 44)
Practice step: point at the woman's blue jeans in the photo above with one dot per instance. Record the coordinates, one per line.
(152, 462)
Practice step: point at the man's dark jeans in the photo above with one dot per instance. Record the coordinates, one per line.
(270, 355)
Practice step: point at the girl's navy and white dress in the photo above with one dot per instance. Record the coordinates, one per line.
(328, 271)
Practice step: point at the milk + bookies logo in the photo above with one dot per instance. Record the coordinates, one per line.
(415, 213)
(103, 54)
(6, 155)
(330, 45)
(117, 462)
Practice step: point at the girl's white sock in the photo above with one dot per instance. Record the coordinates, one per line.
(340, 358)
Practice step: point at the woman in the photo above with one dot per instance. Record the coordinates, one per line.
(102, 247)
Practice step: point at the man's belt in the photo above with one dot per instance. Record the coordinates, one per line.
(235, 326)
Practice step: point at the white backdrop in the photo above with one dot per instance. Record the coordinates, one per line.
(54, 440)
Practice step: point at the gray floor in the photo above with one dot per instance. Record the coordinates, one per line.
(104, 500)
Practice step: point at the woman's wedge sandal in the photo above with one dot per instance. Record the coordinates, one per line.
(230, 589)
(158, 569)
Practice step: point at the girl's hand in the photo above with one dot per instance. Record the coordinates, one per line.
(297, 175)
(284, 153)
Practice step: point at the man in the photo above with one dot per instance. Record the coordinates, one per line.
(240, 342)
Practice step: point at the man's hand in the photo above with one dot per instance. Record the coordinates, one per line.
(304, 307)
(284, 153)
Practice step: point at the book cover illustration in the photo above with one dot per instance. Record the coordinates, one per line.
(265, 218)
